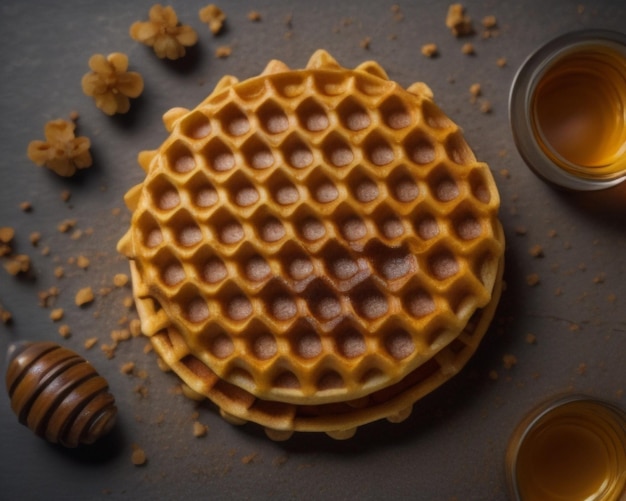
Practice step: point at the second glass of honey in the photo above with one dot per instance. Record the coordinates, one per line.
(568, 110)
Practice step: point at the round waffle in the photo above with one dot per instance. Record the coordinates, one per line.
(312, 236)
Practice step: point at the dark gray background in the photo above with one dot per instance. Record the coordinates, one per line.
(452, 447)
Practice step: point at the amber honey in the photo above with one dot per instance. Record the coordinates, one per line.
(568, 110)
(574, 450)
(579, 108)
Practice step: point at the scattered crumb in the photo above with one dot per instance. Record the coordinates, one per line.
(59, 272)
(17, 264)
(5, 315)
(505, 173)
(223, 51)
(509, 361)
(82, 262)
(531, 338)
(135, 327)
(468, 49)
(365, 43)
(501, 62)
(574, 327)
(249, 458)
(611, 298)
(65, 331)
(475, 91)
(120, 279)
(119, 335)
(66, 225)
(214, 17)
(430, 50)
(558, 291)
(532, 279)
(600, 278)
(56, 314)
(129, 302)
(458, 21)
(485, 106)
(90, 343)
(66, 195)
(6, 234)
(84, 296)
(254, 16)
(127, 368)
(493, 375)
(26, 207)
(34, 238)
(489, 22)
(536, 251)
(521, 230)
(138, 457)
(582, 368)
(199, 429)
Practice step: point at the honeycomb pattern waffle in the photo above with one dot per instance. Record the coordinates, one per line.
(313, 236)
(338, 420)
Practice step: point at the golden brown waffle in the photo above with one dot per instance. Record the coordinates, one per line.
(312, 236)
(339, 420)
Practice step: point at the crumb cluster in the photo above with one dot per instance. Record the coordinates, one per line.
(214, 17)
(110, 84)
(61, 152)
(167, 37)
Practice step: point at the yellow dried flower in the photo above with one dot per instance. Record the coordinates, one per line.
(110, 84)
(62, 151)
(213, 16)
(163, 33)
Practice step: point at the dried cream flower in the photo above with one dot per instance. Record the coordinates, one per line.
(110, 84)
(213, 16)
(62, 151)
(163, 33)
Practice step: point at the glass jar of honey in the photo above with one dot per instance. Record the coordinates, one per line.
(572, 449)
(567, 110)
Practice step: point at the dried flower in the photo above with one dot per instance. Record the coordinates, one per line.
(213, 16)
(110, 84)
(62, 151)
(163, 33)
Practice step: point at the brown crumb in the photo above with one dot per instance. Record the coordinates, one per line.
(485, 107)
(135, 327)
(223, 51)
(138, 457)
(505, 173)
(26, 206)
(17, 264)
(66, 195)
(65, 331)
(214, 17)
(45, 251)
(521, 230)
(6, 234)
(458, 21)
(119, 335)
(59, 272)
(34, 238)
(532, 279)
(468, 49)
(199, 429)
(56, 314)
(531, 338)
(120, 279)
(127, 368)
(430, 50)
(66, 225)
(475, 91)
(254, 16)
(509, 361)
(574, 327)
(141, 390)
(147, 348)
(365, 43)
(536, 251)
(489, 22)
(129, 302)
(249, 458)
(582, 368)
(84, 296)
(600, 278)
(76, 234)
(501, 62)
(5, 316)
(90, 343)
(493, 375)
(82, 262)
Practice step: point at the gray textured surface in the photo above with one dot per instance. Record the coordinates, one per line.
(452, 446)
